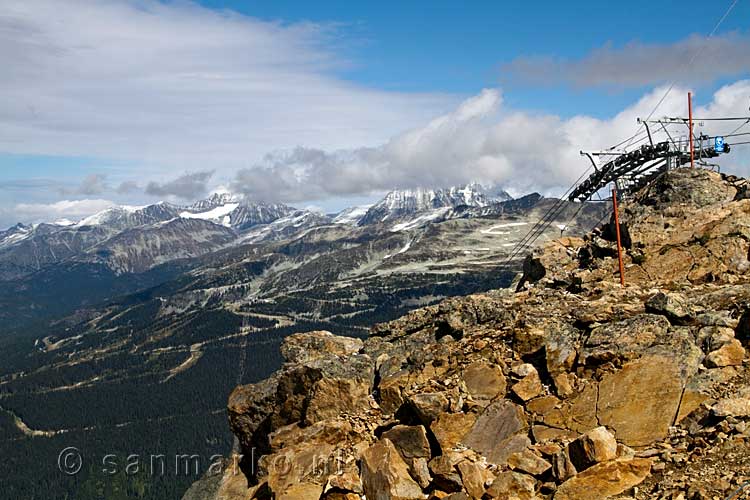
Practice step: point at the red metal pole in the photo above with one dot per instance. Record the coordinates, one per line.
(690, 119)
(619, 241)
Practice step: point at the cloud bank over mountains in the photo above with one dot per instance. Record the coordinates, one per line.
(182, 99)
(480, 140)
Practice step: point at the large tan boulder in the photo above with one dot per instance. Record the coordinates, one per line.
(444, 470)
(429, 406)
(385, 475)
(475, 478)
(530, 386)
(605, 480)
(577, 413)
(410, 440)
(294, 465)
(641, 400)
(529, 462)
(304, 455)
(331, 397)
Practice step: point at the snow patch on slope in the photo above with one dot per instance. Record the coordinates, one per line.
(494, 229)
(421, 220)
(220, 213)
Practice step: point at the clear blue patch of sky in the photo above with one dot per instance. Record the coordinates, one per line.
(459, 47)
(18, 166)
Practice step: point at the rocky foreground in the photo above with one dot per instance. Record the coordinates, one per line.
(569, 388)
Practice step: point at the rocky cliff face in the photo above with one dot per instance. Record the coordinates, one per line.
(569, 388)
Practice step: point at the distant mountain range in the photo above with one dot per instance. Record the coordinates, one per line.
(135, 239)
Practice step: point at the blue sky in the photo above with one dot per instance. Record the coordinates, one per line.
(460, 47)
(330, 103)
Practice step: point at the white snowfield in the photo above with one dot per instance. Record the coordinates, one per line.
(494, 229)
(219, 213)
(422, 219)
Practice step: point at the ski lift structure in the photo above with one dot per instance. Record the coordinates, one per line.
(632, 170)
(629, 171)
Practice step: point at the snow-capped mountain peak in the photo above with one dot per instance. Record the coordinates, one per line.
(213, 201)
(399, 203)
(351, 215)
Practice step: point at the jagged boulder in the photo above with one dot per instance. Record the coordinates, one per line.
(499, 431)
(484, 381)
(641, 400)
(597, 445)
(314, 385)
(512, 486)
(385, 475)
(605, 479)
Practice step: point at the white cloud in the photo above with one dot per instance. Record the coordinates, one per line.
(68, 209)
(638, 64)
(92, 184)
(186, 187)
(481, 141)
(174, 86)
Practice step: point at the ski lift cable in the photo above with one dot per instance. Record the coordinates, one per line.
(548, 218)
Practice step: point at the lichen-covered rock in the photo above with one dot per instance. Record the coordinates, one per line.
(512, 486)
(672, 305)
(484, 381)
(626, 339)
(730, 354)
(429, 406)
(732, 407)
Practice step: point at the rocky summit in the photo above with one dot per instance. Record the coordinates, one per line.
(569, 386)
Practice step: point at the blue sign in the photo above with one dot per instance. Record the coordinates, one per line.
(719, 144)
